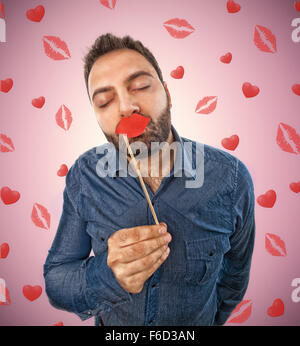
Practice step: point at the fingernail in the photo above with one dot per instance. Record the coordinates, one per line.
(162, 230)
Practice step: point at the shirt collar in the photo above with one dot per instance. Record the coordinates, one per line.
(185, 156)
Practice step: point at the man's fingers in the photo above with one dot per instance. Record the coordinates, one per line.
(127, 236)
(143, 248)
(144, 264)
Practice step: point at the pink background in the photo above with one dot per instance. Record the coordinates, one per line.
(41, 146)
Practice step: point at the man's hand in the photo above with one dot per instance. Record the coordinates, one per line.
(134, 254)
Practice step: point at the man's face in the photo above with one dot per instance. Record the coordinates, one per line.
(123, 82)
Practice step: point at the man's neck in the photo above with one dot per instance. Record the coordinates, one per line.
(160, 163)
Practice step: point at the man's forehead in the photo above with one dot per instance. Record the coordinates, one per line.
(123, 61)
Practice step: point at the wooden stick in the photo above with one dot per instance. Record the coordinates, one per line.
(141, 179)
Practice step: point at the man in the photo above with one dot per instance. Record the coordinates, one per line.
(191, 269)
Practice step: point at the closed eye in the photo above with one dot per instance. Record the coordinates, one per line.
(143, 88)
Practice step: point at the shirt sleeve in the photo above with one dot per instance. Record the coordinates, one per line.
(234, 276)
(74, 281)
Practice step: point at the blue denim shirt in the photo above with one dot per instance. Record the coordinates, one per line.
(212, 225)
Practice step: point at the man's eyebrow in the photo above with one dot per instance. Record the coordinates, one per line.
(128, 79)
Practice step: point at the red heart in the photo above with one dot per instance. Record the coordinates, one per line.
(226, 59)
(32, 292)
(178, 72)
(233, 7)
(268, 199)
(276, 309)
(38, 102)
(297, 5)
(4, 250)
(296, 89)
(63, 170)
(230, 143)
(250, 90)
(36, 14)
(295, 186)
(6, 85)
(9, 196)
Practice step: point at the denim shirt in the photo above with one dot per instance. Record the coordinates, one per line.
(212, 225)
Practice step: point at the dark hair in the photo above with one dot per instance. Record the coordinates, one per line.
(107, 43)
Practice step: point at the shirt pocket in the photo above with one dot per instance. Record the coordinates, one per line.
(99, 236)
(204, 258)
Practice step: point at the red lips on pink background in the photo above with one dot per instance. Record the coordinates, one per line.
(264, 39)
(206, 105)
(178, 28)
(55, 48)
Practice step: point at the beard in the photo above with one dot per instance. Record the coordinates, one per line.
(156, 131)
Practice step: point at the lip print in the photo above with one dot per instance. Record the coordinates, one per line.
(55, 48)
(63, 117)
(288, 139)
(241, 313)
(268, 199)
(231, 142)
(4, 250)
(63, 170)
(274, 245)
(226, 59)
(36, 14)
(276, 309)
(264, 39)
(38, 102)
(40, 216)
(232, 7)
(178, 28)
(60, 323)
(206, 105)
(132, 126)
(2, 12)
(295, 187)
(250, 90)
(296, 89)
(6, 144)
(297, 5)
(4, 293)
(9, 196)
(178, 72)
(109, 3)
(6, 85)
(32, 292)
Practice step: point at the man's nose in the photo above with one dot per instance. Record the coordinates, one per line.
(127, 105)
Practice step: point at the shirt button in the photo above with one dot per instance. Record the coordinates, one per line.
(89, 313)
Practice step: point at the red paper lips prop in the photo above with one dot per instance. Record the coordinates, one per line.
(132, 126)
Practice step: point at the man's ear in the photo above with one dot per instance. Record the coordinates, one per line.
(168, 94)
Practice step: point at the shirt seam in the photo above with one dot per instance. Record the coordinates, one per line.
(234, 192)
